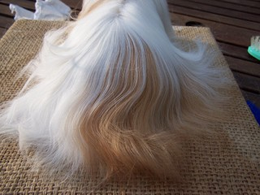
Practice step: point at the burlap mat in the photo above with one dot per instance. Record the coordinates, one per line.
(228, 164)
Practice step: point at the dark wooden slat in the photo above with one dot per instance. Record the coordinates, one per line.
(230, 6)
(2, 32)
(31, 4)
(4, 10)
(254, 98)
(5, 22)
(236, 51)
(215, 10)
(25, 4)
(214, 17)
(244, 66)
(73, 4)
(247, 82)
(223, 32)
(246, 3)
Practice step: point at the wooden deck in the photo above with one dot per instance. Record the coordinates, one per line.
(232, 22)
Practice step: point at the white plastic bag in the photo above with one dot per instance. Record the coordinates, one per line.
(44, 10)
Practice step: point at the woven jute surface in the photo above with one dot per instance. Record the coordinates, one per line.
(225, 164)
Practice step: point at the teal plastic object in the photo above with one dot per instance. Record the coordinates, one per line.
(254, 52)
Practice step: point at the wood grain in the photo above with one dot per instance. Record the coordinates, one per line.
(229, 6)
(214, 17)
(222, 32)
(5, 22)
(23, 3)
(243, 66)
(215, 10)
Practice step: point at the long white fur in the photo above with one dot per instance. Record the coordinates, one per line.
(77, 84)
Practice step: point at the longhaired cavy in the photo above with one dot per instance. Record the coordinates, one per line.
(113, 94)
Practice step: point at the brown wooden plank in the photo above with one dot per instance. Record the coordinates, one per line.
(222, 32)
(215, 10)
(2, 32)
(230, 6)
(214, 17)
(73, 4)
(236, 51)
(5, 22)
(31, 4)
(247, 82)
(25, 4)
(243, 66)
(246, 3)
(252, 97)
(4, 10)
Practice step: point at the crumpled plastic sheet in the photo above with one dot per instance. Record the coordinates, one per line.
(44, 10)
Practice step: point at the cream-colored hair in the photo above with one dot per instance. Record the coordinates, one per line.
(116, 95)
